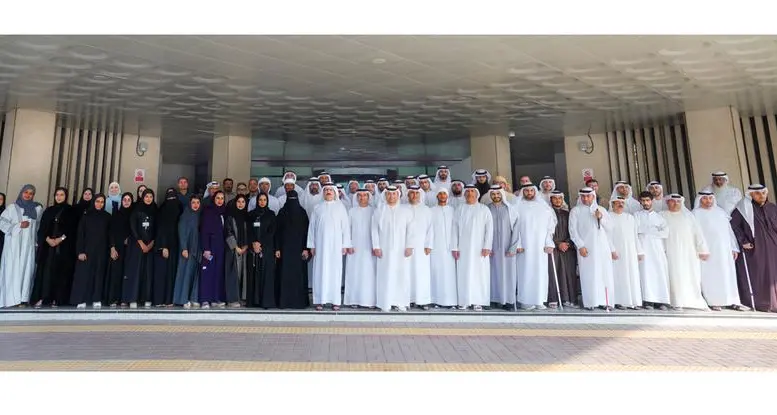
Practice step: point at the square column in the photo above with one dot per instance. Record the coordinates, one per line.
(26, 154)
(715, 143)
(231, 156)
(490, 150)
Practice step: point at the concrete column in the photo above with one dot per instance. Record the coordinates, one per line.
(490, 150)
(231, 155)
(26, 154)
(715, 143)
(578, 160)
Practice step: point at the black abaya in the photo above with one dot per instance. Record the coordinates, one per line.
(93, 241)
(262, 290)
(139, 268)
(119, 240)
(166, 238)
(54, 271)
(291, 239)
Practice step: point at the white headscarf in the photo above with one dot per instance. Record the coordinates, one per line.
(355, 198)
(480, 172)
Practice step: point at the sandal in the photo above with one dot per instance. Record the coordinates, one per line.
(335, 308)
(319, 308)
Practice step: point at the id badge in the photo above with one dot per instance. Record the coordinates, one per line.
(257, 224)
(145, 224)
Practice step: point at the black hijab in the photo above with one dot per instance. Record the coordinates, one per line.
(240, 215)
(92, 211)
(2, 205)
(171, 207)
(83, 205)
(142, 207)
(291, 211)
(261, 211)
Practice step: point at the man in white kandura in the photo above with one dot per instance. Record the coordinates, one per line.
(281, 191)
(456, 197)
(685, 249)
(656, 190)
(726, 195)
(370, 186)
(547, 186)
(312, 195)
(653, 270)
(442, 178)
(430, 196)
(329, 238)
(624, 190)
(288, 185)
(472, 239)
(19, 222)
(503, 268)
(360, 267)
(626, 255)
(422, 243)
(536, 224)
(587, 227)
(443, 270)
(718, 273)
(392, 232)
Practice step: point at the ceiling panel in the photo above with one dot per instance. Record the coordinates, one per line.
(361, 92)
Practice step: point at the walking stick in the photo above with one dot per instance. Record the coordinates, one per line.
(606, 300)
(747, 274)
(555, 276)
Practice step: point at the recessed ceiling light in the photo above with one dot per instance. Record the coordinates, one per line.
(378, 61)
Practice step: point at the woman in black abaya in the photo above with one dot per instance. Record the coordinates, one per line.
(56, 253)
(166, 249)
(138, 268)
(119, 240)
(291, 238)
(92, 247)
(237, 239)
(262, 291)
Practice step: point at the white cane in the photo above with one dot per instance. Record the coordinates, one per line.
(555, 276)
(747, 274)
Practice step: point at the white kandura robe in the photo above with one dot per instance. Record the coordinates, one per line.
(624, 241)
(17, 267)
(726, 197)
(536, 225)
(281, 191)
(430, 198)
(473, 231)
(392, 232)
(718, 273)
(683, 246)
(654, 269)
(420, 263)
(329, 233)
(503, 267)
(360, 266)
(443, 269)
(596, 279)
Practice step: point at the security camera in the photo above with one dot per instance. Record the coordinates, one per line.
(511, 134)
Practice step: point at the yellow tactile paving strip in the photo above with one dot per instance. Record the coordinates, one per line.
(399, 331)
(220, 365)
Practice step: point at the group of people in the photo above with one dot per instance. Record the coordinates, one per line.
(420, 242)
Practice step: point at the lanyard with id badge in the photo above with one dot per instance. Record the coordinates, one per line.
(145, 224)
(257, 225)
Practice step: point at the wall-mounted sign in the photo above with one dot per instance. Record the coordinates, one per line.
(140, 176)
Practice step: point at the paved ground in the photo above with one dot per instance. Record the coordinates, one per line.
(152, 340)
